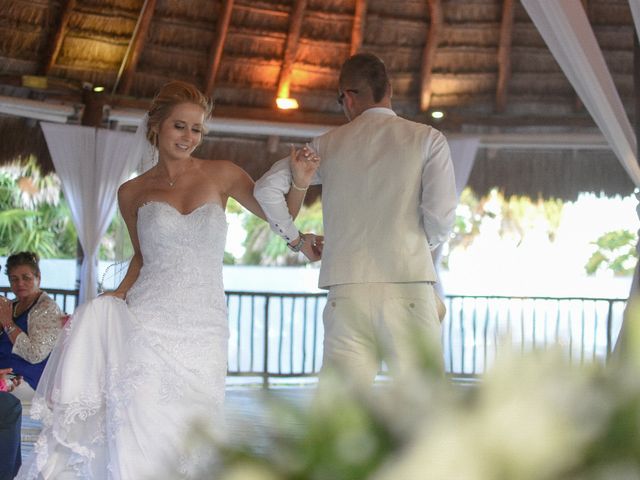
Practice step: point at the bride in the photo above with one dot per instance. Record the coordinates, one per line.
(135, 367)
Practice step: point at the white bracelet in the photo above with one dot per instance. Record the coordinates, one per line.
(300, 189)
(9, 329)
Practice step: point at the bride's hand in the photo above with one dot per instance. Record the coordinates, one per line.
(304, 163)
(114, 293)
(312, 247)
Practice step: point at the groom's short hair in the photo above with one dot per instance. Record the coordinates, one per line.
(365, 69)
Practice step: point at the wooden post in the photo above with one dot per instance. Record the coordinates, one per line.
(93, 106)
(91, 117)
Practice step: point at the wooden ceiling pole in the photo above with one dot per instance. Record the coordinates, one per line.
(357, 32)
(134, 50)
(504, 55)
(291, 48)
(429, 53)
(56, 42)
(218, 45)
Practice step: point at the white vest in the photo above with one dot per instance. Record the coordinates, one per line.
(371, 173)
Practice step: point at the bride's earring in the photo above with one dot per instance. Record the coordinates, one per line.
(153, 148)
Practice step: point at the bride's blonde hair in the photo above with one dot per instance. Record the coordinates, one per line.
(171, 94)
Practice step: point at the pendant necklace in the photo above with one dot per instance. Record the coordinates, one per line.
(173, 182)
(170, 182)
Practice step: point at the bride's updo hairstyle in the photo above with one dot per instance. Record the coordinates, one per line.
(170, 95)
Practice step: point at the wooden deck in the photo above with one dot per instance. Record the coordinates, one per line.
(246, 412)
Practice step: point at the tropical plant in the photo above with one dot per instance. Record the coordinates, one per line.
(116, 244)
(515, 216)
(33, 213)
(616, 251)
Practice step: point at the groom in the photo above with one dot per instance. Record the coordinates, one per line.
(388, 198)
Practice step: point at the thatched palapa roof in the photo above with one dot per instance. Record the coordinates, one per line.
(482, 62)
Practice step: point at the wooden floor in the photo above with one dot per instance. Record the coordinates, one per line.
(247, 414)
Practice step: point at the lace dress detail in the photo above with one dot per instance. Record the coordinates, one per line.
(127, 381)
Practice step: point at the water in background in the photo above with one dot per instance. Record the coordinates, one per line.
(467, 281)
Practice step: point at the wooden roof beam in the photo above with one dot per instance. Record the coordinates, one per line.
(218, 45)
(134, 50)
(357, 32)
(58, 37)
(429, 53)
(504, 55)
(291, 48)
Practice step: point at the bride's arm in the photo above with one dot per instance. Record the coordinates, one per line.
(129, 212)
(239, 186)
(301, 166)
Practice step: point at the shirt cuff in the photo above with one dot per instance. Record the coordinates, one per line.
(288, 232)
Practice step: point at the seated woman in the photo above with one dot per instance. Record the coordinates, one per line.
(30, 324)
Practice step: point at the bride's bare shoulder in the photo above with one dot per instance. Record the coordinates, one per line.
(219, 168)
(135, 183)
(131, 190)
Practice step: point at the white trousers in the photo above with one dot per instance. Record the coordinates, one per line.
(365, 324)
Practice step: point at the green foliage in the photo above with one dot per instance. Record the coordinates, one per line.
(616, 251)
(516, 215)
(33, 214)
(553, 214)
(468, 219)
(116, 244)
(263, 247)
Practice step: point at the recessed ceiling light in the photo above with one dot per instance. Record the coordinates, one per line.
(287, 103)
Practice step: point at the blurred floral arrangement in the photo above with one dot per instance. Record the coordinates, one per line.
(532, 416)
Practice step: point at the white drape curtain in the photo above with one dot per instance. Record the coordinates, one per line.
(91, 164)
(566, 30)
(463, 155)
(635, 13)
(635, 285)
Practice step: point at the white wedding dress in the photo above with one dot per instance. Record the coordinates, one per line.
(127, 380)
